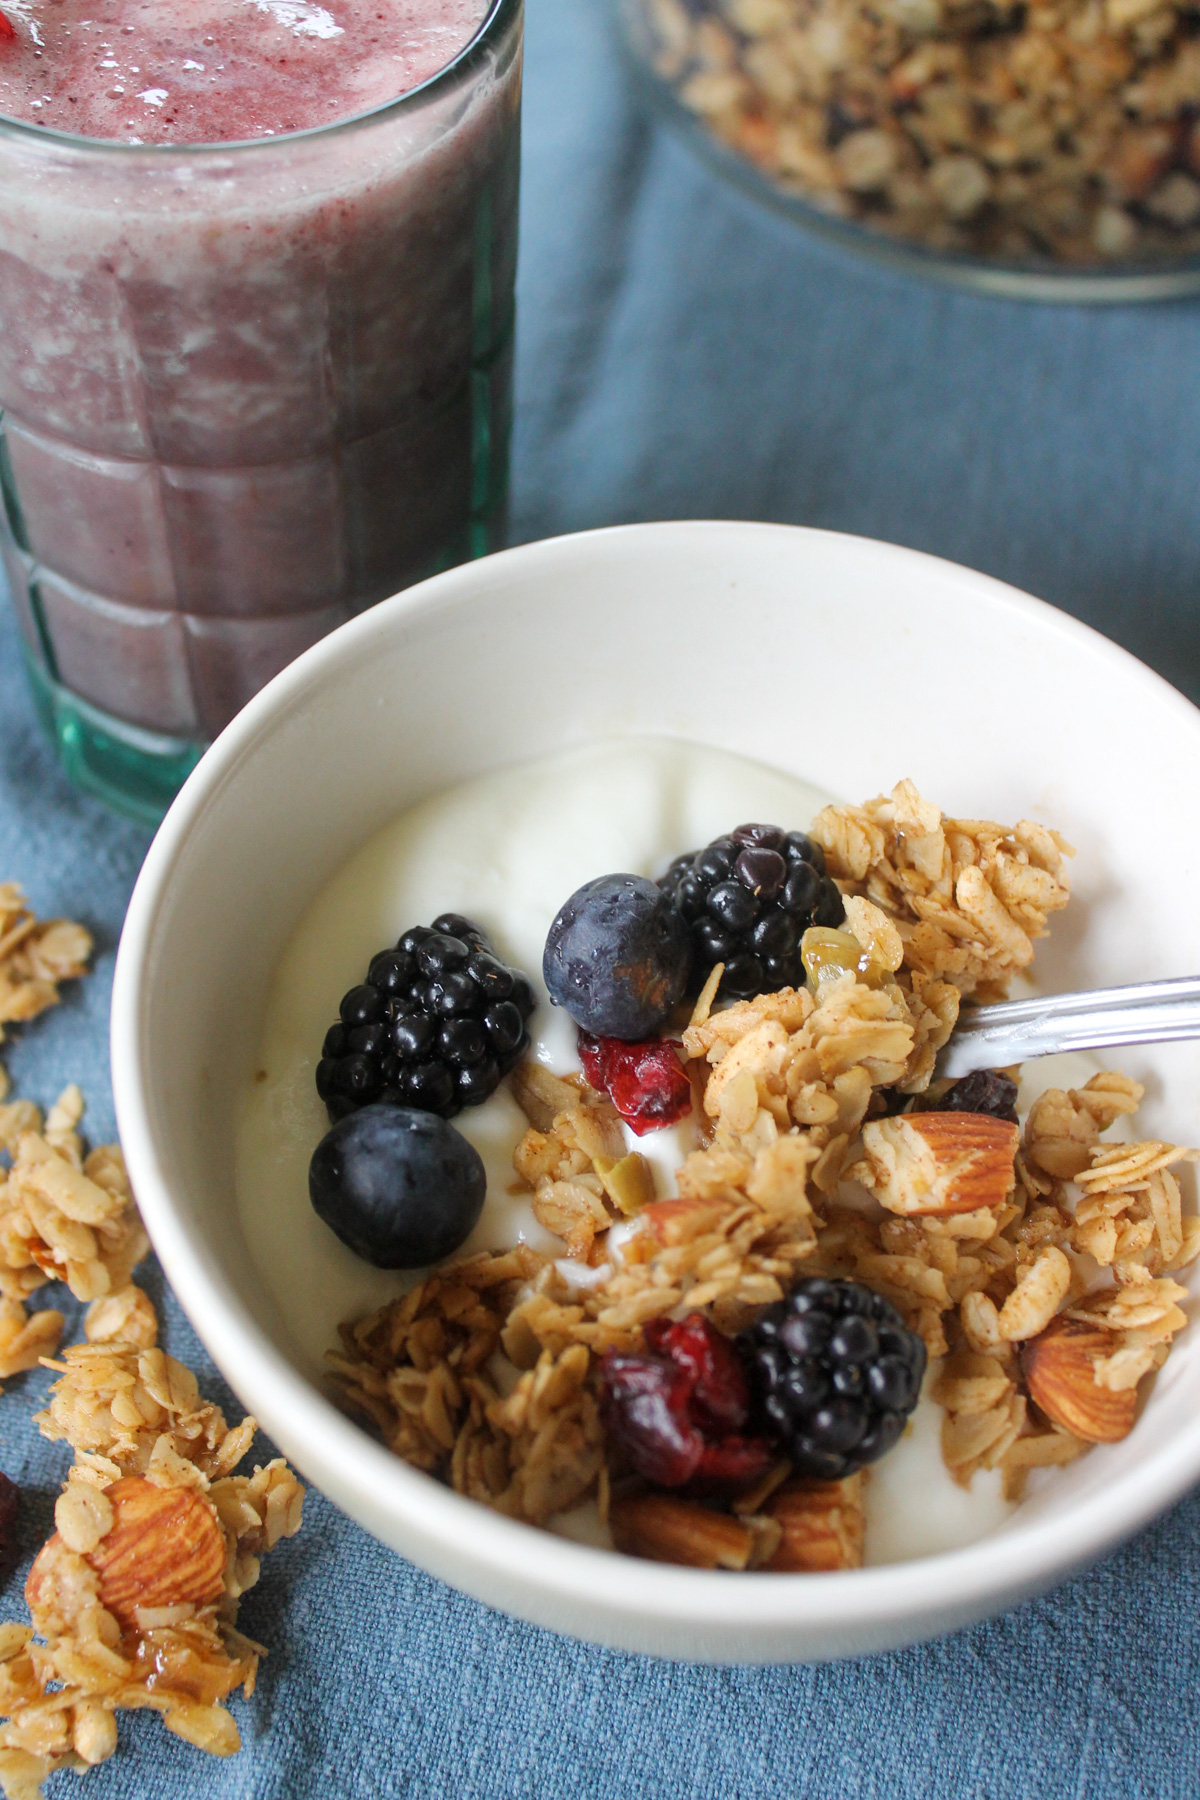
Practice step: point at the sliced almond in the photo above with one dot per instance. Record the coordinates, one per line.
(822, 1526)
(164, 1548)
(1059, 1370)
(667, 1529)
(938, 1163)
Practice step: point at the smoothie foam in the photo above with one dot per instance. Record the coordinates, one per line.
(169, 72)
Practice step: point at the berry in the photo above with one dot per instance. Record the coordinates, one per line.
(983, 1091)
(645, 1082)
(400, 1187)
(10, 1506)
(835, 1374)
(748, 899)
(7, 29)
(617, 957)
(437, 1024)
(678, 1410)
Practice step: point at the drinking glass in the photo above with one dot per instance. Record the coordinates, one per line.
(246, 390)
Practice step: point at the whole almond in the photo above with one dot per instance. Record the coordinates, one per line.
(822, 1526)
(1058, 1367)
(668, 1529)
(164, 1548)
(938, 1163)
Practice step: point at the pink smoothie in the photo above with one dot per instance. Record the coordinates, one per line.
(245, 392)
(216, 71)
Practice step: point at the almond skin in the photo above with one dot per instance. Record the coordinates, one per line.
(667, 1529)
(822, 1526)
(165, 1548)
(1058, 1369)
(938, 1163)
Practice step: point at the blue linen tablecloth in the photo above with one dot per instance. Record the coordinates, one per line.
(681, 354)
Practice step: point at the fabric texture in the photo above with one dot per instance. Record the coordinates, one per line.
(683, 354)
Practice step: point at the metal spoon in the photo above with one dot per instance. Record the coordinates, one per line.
(1151, 1012)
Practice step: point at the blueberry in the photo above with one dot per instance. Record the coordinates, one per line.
(617, 957)
(401, 1188)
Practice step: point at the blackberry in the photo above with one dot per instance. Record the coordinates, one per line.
(748, 899)
(835, 1373)
(437, 1024)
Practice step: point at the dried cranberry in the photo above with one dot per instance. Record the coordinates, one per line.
(720, 1396)
(7, 29)
(10, 1503)
(677, 1409)
(645, 1411)
(645, 1082)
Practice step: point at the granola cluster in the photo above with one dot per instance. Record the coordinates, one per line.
(1038, 1266)
(134, 1599)
(1063, 130)
(135, 1596)
(35, 957)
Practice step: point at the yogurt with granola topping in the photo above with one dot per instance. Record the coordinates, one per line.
(506, 849)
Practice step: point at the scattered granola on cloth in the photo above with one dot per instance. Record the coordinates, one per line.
(64, 1216)
(35, 957)
(135, 1596)
(1039, 1266)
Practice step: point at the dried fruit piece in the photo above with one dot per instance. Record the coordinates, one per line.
(1059, 1370)
(822, 1526)
(668, 1529)
(941, 1163)
(988, 1091)
(6, 28)
(679, 1409)
(645, 1082)
(165, 1548)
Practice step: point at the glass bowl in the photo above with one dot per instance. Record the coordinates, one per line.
(1044, 151)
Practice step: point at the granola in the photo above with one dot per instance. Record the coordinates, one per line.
(36, 956)
(1063, 131)
(823, 1153)
(134, 1599)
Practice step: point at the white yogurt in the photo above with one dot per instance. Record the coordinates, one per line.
(507, 849)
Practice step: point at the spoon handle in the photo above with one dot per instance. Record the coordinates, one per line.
(1151, 1012)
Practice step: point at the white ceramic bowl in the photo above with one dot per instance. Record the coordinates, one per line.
(845, 661)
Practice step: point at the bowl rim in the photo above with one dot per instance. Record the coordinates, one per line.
(978, 1578)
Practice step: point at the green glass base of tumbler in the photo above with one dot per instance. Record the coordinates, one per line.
(137, 772)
